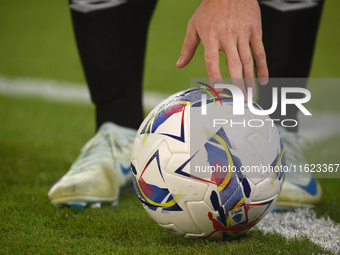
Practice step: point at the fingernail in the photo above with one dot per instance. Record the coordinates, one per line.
(179, 60)
(214, 81)
(218, 81)
(263, 81)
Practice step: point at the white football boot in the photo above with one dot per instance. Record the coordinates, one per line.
(300, 189)
(97, 175)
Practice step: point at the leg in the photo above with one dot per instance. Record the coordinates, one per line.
(111, 37)
(111, 43)
(289, 35)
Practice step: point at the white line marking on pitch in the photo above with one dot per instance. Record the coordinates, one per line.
(78, 93)
(60, 91)
(301, 223)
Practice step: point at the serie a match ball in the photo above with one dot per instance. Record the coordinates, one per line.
(206, 173)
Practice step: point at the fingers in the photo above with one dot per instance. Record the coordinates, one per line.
(191, 42)
(237, 46)
(212, 63)
(234, 64)
(240, 63)
(260, 60)
(247, 63)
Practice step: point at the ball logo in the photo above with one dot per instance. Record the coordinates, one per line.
(204, 97)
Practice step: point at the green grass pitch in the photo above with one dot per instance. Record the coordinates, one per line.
(39, 139)
(38, 150)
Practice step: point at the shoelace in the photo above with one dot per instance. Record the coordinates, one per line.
(104, 143)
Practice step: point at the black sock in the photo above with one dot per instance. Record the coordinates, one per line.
(111, 42)
(289, 35)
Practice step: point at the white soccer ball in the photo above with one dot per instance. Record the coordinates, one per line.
(198, 179)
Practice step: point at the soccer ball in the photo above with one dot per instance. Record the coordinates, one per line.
(203, 180)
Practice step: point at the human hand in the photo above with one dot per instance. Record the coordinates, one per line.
(231, 26)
